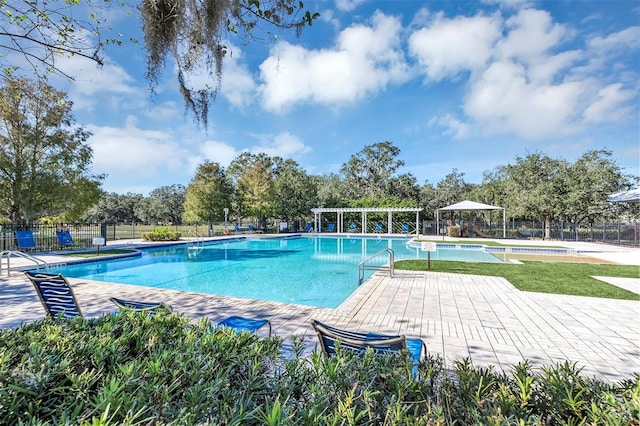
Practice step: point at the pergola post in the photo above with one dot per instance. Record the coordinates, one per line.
(317, 212)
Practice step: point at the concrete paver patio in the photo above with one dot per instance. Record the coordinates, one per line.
(483, 318)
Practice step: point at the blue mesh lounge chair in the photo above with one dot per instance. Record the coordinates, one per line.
(58, 299)
(378, 227)
(151, 307)
(308, 227)
(405, 228)
(331, 227)
(254, 230)
(244, 324)
(64, 238)
(56, 294)
(25, 240)
(330, 337)
(352, 227)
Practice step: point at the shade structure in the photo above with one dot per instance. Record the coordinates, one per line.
(471, 206)
(340, 211)
(631, 196)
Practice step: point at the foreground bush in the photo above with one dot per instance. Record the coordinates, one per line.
(140, 369)
(161, 234)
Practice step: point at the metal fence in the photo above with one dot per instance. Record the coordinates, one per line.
(45, 235)
(622, 233)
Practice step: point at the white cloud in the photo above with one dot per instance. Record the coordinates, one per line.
(454, 127)
(448, 47)
(627, 38)
(531, 35)
(216, 151)
(283, 145)
(135, 151)
(511, 4)
(237, 82)
(364, 60)
(524, 82)
(503, 100)
(348, 5)
(609, 105)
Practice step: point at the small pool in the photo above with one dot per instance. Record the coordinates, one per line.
(314, 271)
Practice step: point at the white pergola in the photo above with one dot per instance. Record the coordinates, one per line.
(472, 205)
(340, 211)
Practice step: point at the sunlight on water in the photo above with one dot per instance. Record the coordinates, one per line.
(315, 271)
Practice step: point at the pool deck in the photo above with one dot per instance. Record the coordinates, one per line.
(457, 316)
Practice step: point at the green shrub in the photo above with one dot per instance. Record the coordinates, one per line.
(161, 369)
(161, 234)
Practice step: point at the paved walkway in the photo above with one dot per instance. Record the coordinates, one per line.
(483, 318)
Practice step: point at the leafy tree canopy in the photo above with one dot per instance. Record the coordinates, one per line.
(35, 34)
(208, 194)
(44, 160)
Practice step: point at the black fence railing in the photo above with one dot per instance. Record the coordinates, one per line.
(622, 233)
(45, 237)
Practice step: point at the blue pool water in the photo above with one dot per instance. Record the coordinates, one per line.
(315, 271)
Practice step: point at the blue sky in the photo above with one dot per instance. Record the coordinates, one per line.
(453, 84)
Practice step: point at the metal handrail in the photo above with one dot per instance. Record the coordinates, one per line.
(195, 246)
(362, 266)
(8, 253)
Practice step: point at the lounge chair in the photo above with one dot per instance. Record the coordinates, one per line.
(56, 295)
(378, 227)
(352, 227)
(64, 238)
(405, 228)
(254, 230)
(25, 240)
(151, 307)
(58, 299)
(331, 227)
(330, 337)
(238, 229)
(308, 227)
(244, 324)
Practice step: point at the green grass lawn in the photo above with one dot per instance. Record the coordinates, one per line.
(542, 277)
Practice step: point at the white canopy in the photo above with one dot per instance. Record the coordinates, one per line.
(632, 196)
(472, 205)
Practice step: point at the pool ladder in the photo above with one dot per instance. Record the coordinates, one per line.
(195, 245)
(7, 254)
(364, 267)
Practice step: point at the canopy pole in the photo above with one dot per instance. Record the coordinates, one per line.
(504, 222)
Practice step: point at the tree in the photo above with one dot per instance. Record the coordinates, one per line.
(247, 187)
(115, 208)
(296, 192)
(592, 178)
(163, 205)
(537, 187)
(367, 172)
(43, 157)
(331, 190)
(208, 194)
(256, 187)
(403, 187)
(192, 33)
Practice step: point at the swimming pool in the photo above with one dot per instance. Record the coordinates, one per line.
(314, 271)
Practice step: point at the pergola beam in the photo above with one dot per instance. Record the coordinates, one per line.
(340, 211)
